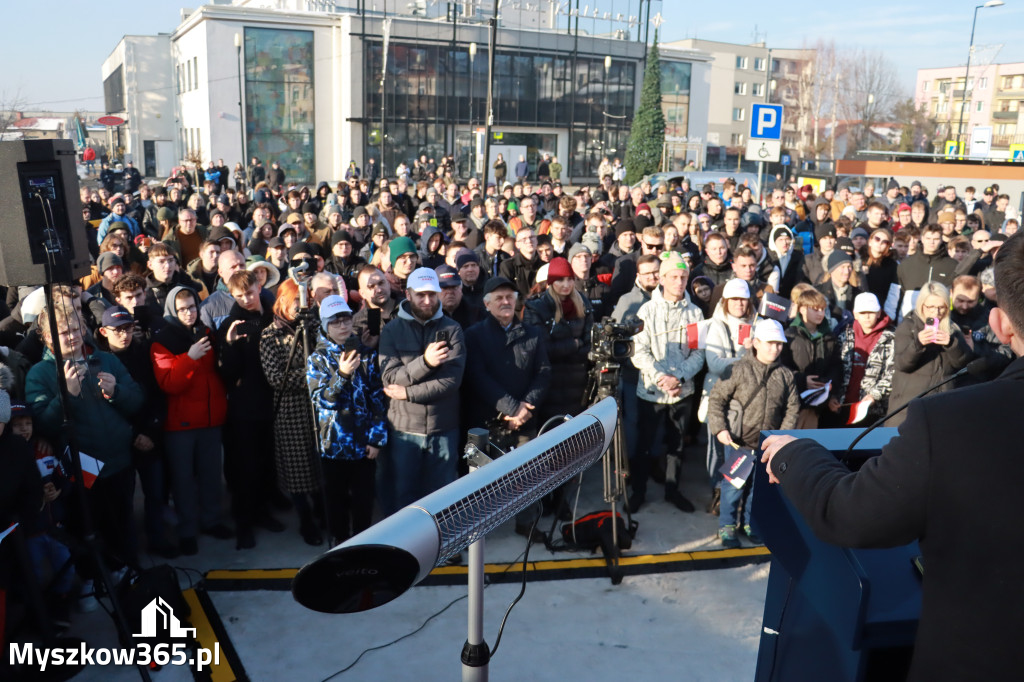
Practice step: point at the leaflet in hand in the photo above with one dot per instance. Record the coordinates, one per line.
(739, 464)
(813, 397)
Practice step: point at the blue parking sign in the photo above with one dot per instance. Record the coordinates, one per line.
(766, 121)
(786, 159)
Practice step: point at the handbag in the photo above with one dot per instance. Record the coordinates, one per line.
(734, 417)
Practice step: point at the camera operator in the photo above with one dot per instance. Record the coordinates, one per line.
(647, 267)
(507, 376)
(667, 367)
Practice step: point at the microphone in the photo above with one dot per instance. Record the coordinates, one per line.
(976, 367)
(385, 560)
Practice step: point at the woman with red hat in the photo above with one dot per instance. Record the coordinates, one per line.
(566, 318)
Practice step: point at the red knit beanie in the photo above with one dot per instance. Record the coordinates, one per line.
(558, 268)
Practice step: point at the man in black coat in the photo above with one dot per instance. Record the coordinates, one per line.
(922, 488)
(522, 268)
(507, 375)
(248, 430)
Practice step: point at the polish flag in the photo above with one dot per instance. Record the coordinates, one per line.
(697, 335)
(858, 411)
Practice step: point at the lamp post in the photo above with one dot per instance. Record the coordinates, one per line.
(492, 46)
(967, 73)
(472, 130)
(241, 106)
(604, 118)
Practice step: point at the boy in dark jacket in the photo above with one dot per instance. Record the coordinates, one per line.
(767, 395)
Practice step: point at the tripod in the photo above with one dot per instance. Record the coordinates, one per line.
(602, 383)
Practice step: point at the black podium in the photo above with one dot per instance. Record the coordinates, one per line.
(833, 613)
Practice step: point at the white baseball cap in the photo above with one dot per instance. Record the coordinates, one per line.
(542, 273)
(769, 330)
(866, 303)
(423, 279)
(331, 307)
(736, 288)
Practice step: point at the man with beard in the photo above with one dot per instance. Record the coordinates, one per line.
(248, 430)
(375, 291)
(422, 360)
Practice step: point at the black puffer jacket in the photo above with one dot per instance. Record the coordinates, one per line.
(775, 406)
(919, 367)
(568, 343)
(719, 274)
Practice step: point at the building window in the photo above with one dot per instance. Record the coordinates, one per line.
(758, 90)
(924, 86)
(759, 63)
(739, 88)
(195, 69)
(942, 107)
(775, 66)
(739, 114)
(982, 83)
(737, 139)
(944, 87)
(980, 106)
(741, 62)
(279, 98)
(188, 75)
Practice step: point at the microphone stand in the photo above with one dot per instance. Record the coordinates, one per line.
(476, 655)
(973, 367)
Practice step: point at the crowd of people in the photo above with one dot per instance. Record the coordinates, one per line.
(245, 348)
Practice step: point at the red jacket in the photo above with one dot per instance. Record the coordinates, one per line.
(196, 397)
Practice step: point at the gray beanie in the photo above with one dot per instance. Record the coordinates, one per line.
(6, 384)
(577, 249)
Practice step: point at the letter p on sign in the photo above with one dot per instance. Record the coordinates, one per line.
(766, 121)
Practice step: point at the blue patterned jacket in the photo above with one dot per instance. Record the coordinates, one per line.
(350, 413)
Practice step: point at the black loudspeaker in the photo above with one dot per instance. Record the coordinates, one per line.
(42, 217)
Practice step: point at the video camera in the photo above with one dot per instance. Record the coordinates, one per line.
(613, 342)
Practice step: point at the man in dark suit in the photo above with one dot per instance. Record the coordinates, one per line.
(924, 486)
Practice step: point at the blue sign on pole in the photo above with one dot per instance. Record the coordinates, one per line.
(785, 160)
(766, 121)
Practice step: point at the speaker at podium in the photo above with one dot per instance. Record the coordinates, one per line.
(833, 613)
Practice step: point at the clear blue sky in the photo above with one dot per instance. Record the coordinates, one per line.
(56, 47)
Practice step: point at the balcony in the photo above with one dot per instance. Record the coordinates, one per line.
(1010, 93)
(1004, 141)
(1005, 115)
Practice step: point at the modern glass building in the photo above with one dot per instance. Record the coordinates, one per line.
(315, 84)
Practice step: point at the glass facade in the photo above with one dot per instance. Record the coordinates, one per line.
(279, 113)
(430, 89)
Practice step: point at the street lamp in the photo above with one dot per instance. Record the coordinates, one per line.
(241, 108)
(604, 119)
(472, 131)
(967, 73)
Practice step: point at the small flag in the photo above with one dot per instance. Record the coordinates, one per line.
(697, 335)
(7, 532)
(858, 411)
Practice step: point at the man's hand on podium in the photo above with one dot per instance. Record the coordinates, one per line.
(772, 445)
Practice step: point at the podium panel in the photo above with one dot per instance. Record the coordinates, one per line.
(833, 613)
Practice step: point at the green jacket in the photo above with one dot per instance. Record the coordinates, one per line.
(102, 426)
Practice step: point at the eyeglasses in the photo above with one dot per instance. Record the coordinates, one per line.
(936, 308)
(654, 247)
(526, 240)
(880, 240)
(649, 273)
(189, 309)
(123, 330)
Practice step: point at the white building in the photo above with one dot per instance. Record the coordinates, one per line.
(311, 86)
(137, 87)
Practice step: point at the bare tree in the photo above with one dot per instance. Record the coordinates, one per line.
(816, 94)
(11, 106)
(869, 93)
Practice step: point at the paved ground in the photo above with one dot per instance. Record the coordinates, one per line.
(696, 617)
